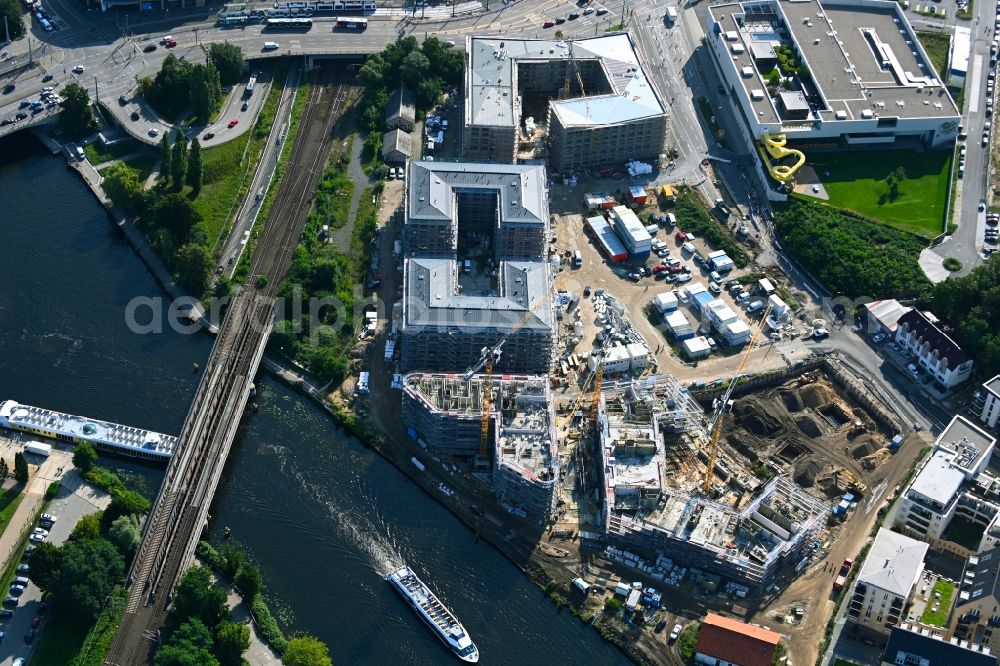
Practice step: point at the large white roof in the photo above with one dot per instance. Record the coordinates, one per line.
(894, 562)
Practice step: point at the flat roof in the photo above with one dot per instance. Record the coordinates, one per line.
(969, 442)
(494, 100)
(862, 55)
(432, 187)
(432, 298)
(894, 562)
(887, 312)
(938, 480)
(993, 386)
(961, 45)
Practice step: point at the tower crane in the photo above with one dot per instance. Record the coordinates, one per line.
(718, 417)
(488, 358)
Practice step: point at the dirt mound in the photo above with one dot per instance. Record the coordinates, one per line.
(808, 426)
(745, 445)
(865, 447)
(816, 395)
(756, 417)
(875, 459)
(806, 473)
(793, 401)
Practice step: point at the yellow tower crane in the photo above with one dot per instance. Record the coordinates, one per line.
(718, 417)
(489, 357)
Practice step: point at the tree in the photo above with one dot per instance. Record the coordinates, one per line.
(123, 503)
(88, 573)
(88, 527)
(306, 651)
(44, 562)
(231, 642)
(4, 470)
(76, 118)
(234, 558)
(20, 468)
(84, 457)
(165, 156)
(124, 186)
(169, 92)
(12, 12)
(178, 162)
(415, 67)
(249, 581)
(189, 645)
(194, 267)
(228, 60)
(176, 214)
(124, 533)
(205, 90)
(194, 169)
(196, 597)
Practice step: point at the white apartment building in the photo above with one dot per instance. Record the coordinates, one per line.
(918, 333)
(885, 585)
(991, 406)
(937, 493)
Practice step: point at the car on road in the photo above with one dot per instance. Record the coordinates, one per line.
(270, 46)
(878, 338)
(18, 662)
(601, 11)
(548, 24)
(8, 89)
(208, 135)
(154, 132)
(7, 121)
(588, 11)
(246, 105)
(149, 48)
(78, 69)
(134, 115)
(233, 123)
(46, 78)
(676, 632)
(560, 20)
(122, 100)
(37, 621)
(29, 637)
(170, 44)
(21, 115)
(573, 16)
(167, 38)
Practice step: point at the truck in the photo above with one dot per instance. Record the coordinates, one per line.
(38, 448)
(841, 579)
(671, 16)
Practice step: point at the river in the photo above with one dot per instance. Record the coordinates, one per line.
(323, 516)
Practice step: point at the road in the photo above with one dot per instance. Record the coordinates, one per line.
(262, 175)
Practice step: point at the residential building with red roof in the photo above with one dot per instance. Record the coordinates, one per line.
(726, 642)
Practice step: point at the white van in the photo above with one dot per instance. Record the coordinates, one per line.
(270, 46)
(689, 248)
(755, 306)
(577, 259)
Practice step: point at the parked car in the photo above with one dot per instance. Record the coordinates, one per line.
(8, 89)
(78, 69)
(149, 48)
(676, 632)
(683, 277)
(573, 16)
(35, 622)
(29, 637)
(154, 132)
(878, 338)
(16, 590)
(548, 24)
(10, 602)
(6, 613)
(46, 78)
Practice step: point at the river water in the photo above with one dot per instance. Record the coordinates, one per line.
(325, 518)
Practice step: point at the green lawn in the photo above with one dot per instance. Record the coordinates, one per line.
(940, 616)
(60, 641)
(98, 154)
(936, 45)
(857, 181)
(9, 501)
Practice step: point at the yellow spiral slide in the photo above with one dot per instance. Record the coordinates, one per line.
(775, 147)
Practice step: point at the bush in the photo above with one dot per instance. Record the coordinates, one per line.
(52, 490)
(267, 626)
(613, 605)
(952, 264)
(692, 217)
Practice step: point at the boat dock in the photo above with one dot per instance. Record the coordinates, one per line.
(103, 435)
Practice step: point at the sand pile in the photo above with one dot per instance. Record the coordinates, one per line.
(808, 426)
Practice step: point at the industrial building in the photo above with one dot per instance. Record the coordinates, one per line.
(604, 235)
(648, 509)
(862, 75)
(885, 586)
(599, 106)
(401, 109)
(947, 485)
(475, 238)
(445, 412)
(632, 231)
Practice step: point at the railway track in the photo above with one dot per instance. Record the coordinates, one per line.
(181, 508)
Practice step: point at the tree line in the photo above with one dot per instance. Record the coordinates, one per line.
(851, 255)
(424, 68)
(971, 304)
(180, 84)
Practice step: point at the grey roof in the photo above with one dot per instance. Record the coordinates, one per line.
(521, 189)
(985, 574)
(491, 89)
(402, 104)
(894, 562)
(910, 640)
(970, 442)
(993, 386)
(938, 480)
(431, 298)
(844, 43)
(397, 140)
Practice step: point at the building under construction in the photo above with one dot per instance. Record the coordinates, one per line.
(652, 503)
(600, 107)
(474, 270)
(445, 412)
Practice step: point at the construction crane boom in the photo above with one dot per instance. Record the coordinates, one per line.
(489, 357)
(715, 424)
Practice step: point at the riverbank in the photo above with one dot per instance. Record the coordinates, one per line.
(553, 579)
